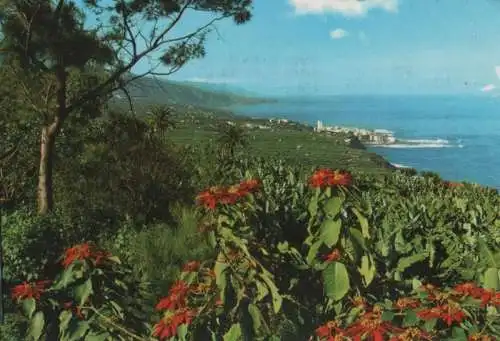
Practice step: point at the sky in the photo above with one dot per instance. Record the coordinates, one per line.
(327, 47)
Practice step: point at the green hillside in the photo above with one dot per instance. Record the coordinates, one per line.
(159, 91)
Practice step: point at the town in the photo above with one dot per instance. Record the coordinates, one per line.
(373, 137)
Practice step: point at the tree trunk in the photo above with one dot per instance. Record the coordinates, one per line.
(45, 194)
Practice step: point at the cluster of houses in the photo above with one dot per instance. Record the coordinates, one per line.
(375, 137)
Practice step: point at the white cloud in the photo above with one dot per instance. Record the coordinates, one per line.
(338, 33)
(488, 87)
(345, 7)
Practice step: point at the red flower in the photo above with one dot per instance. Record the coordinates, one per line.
(333, 256)
(176, 298)
(470, 289)
(228, 195)
(318, 178)
(359, 302)
(449, 313)
(327, 177)
(167, 327)
(330, 331)
(411, 334)
(495, 300)
(371, 325)
(481, 337)
(339, 179)
(466, 289)
(82, 252)
(191, 266)
(429, 314)
(248, 186)
(29, 290)
(404, 303)
(208, 199)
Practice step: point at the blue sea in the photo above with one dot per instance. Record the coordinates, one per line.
(455, 136)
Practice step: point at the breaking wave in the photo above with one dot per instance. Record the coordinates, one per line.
(422, 143)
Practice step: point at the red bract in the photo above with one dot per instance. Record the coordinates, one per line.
(208, 199)
(167, 327)
(248, 186)
(449, 313)
(411, 334)
(358, 302)
(176, 297)
(339, 179)
(484, 295)
(333, 256)
(330, 332)
(29, 290)
(495, 300)
(481, 337)
(370, 325)
(82, 252)
(227, 195)
(404, 303)
(191, 266)
(328, 177)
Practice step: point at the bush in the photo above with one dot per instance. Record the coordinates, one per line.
(31, 243)
(162, 246)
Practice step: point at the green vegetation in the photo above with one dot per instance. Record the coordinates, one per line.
(104, 240)
(158, 91)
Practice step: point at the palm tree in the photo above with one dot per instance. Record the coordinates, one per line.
(160, 119)
(230, 138)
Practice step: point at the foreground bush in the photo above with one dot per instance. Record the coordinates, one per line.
(319, 259)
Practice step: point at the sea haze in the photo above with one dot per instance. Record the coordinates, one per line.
(456, 136)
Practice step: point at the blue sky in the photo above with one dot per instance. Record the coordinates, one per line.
(328, 47)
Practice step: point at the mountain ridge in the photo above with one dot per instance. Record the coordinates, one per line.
(156, 91)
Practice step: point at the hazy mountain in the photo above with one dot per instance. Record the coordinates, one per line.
(158, 91)
(222, 87)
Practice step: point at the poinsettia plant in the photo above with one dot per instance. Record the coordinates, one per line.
(318, 259)
(92, 298)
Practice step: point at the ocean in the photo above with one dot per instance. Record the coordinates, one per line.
(455, 136)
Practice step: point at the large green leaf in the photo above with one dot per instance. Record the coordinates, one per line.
(234, 333)
(66, 278)
(363, 222)
(367, 269)
(36, 326)
(330, 231)
(276, 296)
(64, 319)
(221, 278)
(406, 262)
(83, 291)
(336, 280)
(29, 306)
(256, 316)
(491, 280)
(313, 206)
(333, 206)
(77, 330)
(313, 252)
